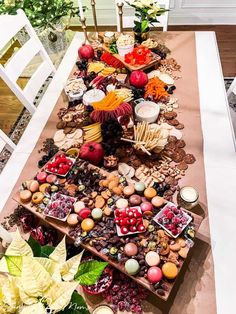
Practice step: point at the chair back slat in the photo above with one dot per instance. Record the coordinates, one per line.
(15, 66)
(6, 141)
(37, 80)
(25, 54)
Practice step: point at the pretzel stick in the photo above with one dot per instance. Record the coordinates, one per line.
(144, 150)
(131, 141)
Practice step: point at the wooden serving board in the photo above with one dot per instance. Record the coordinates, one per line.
(130, 67)
(64, 228)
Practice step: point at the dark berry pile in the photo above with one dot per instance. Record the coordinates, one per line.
(124, 294)
(161, 188)
(88, 78)
(137, 92)
(98, 55)
(82, 65)
(50, 149)
(111, 133)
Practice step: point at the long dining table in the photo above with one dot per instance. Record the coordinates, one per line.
(208, 285)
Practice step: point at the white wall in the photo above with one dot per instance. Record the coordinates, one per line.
(183, 12)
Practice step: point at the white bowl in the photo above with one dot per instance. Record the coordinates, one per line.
(150, 111)
(93, 95)
(124, 50)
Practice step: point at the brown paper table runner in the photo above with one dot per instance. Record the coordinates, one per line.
(195, 290)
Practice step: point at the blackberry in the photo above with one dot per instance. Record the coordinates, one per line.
(138, 92)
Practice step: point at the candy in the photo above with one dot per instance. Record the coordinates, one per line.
(135, 199)
(154, 274)
(157, 201)
(132, 266)
(152, 258)
(128, 190)
(149, 193)
(72, 220)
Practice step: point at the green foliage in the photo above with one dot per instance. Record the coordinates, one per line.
(41, 13)
(89, 272)
(76, 305)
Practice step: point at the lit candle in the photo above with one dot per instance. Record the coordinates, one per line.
(187, 197)
(81, 12)
(5, 235)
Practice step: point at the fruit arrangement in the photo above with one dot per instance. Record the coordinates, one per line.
(59, 206)
(102, 285)
(139, 56)
(129, 220)
(60, 165)
(93, 132)
(173, 219)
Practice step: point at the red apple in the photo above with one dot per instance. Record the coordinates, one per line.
(86, 52)
(138, 79)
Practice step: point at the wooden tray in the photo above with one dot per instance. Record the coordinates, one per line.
(156, 58)
(61, 227)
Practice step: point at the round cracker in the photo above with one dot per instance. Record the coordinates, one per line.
(78, 134)
(59, 136)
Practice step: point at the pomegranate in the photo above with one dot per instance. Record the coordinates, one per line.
(86, 52)
(138, 79)
(103, 283)
(92, 152)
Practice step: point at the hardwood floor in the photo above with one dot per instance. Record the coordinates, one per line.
(10, 107)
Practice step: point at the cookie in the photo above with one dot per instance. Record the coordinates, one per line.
(182, 166)
(183, 252)
(67, 130)
(178, 155)
(180, 144)
(170, 115)
(172, 139)
(61, 125)
(173, 122)
(189, 159)
(59, 136)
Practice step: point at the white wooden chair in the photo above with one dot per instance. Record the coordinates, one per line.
(128, 20)
(10, 25)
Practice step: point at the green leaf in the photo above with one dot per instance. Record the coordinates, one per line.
(14, 264)
(35, 246)
(77, 305)
(70, 267)
(46, 250)
(144, 26)
(89, 272)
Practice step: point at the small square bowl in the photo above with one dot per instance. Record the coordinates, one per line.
(187, 218)
(56, 200)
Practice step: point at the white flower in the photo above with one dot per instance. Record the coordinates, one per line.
(138, 4)
(147, 3)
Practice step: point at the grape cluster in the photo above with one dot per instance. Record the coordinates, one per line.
(98, 55)
(161, 188)
(88, 78)
(82, 65)
(137, 92)
(160, 53)
(170, 89)
(111, 133)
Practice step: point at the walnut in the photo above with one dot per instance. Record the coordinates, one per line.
(110, 161)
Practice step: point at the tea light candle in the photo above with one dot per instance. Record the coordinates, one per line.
(93, 95)
(103, 309)
(187, 197)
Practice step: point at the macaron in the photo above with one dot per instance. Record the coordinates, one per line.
(122, 203)
(78, 206)
(170, 270)
(152, 258)
(87, 224)
(72, 220)
(149, 193)
(135, 200)
(130, 249)
(25, 196)
(128, 190)
(157, 201)
(132, 266)
(154, 274)
(139, 187)
(97, 213)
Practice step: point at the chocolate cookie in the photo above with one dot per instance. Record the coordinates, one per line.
(170, 146)
(67, 130)
(180, 144)
(189, 159)
(170, 115)
(178, 155)
(182, 166)
(172, 139)
(173, 122)
(61, 125)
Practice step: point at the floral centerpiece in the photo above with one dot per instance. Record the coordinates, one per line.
(146, 13)
(39, 279)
